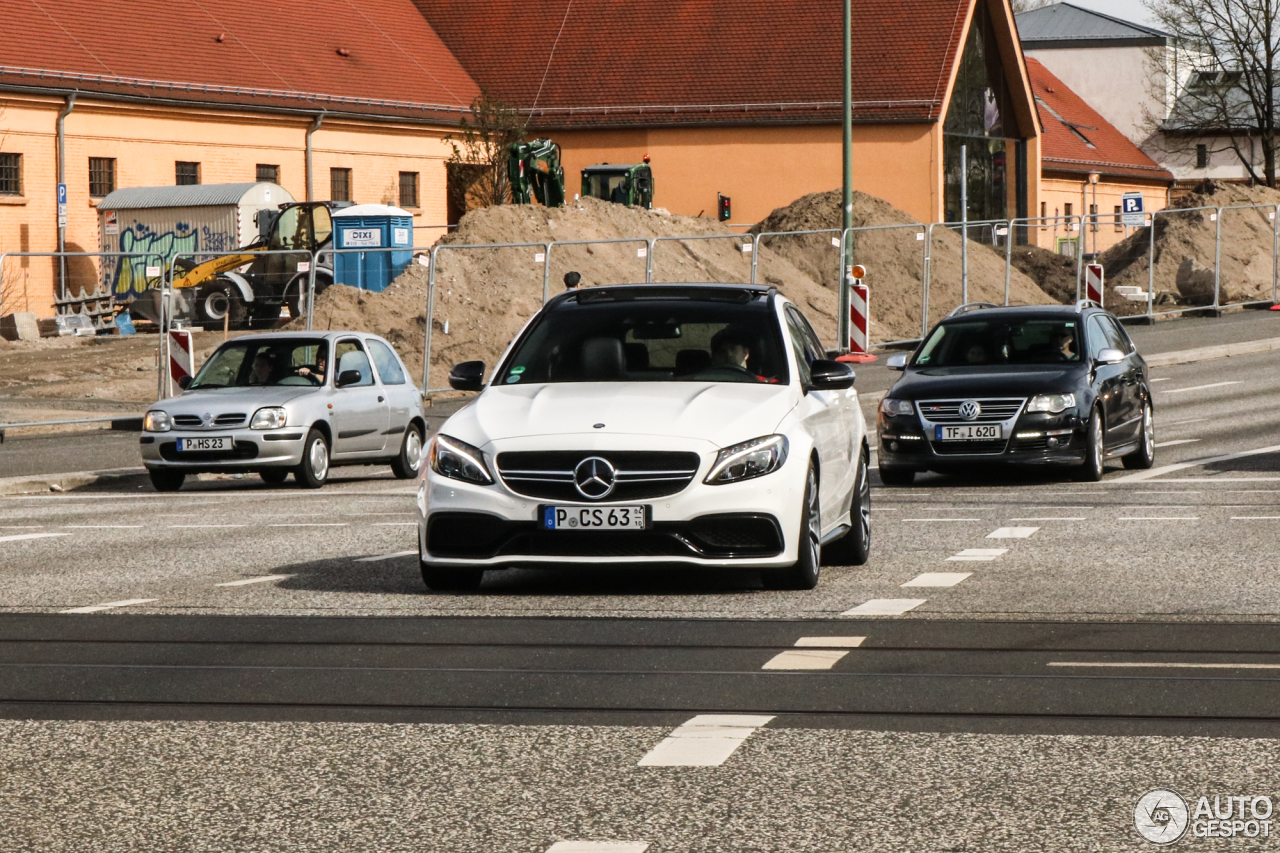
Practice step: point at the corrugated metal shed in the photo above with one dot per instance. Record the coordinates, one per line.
(1063, 22)
(199, 195)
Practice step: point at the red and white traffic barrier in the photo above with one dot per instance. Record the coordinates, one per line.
(181, 362)
(859, 318)
(1093, 278)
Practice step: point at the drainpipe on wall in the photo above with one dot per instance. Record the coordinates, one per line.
(62, 179)
(315, 125)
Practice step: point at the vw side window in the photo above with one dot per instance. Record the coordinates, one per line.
(388, 365)
(351, 356)
(1120, 336)
(1097, 338)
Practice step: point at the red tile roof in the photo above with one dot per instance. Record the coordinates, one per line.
(604, 62)
(284, 53)
(1071, 127)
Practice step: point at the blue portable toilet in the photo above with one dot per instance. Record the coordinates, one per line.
(386, 233)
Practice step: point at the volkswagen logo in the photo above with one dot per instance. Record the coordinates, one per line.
(970, 410)
(594, 477)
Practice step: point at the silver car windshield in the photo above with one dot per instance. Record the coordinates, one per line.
(672, 340)
(252, 362)
(975, 343)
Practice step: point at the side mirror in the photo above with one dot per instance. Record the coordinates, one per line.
(1110, 355)
(897, 361)
(467, 376)
(831, 375)
(348, 377)
(183, 382)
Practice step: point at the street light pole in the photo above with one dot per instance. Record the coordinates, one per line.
(964, 225)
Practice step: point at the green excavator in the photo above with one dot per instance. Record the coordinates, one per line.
(535, 173)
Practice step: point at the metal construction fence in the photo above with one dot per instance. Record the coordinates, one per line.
(1178, 261)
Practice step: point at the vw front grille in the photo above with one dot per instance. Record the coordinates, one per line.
(948, 411)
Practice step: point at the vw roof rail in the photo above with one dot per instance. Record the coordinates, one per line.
(972, 306)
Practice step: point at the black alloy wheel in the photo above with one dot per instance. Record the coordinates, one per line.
(803, 574)
(1095, 460)
(854, 548)
(274, 476)
(896, 476)
(166, 481)
(408, 461)
(1145, 456)
(313, 471)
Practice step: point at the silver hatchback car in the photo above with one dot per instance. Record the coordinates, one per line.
(293, 402)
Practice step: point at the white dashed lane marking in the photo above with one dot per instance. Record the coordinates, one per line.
(814, 653)
(263, 579)
(1013, 533)
(1203, 387)
(102, 526)
(938, 579)
(385, 557)
(1055, 518)
(1165, 665)
(129, 602)
(22, 536)
(598, 847)
(1255, 518)
(885, 607)
(1178, 441)
(942, 519)
(310, 524)
(978, 555)
(831, 642)
(1161, 518)
(705, 741)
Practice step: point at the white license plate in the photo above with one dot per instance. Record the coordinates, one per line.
(186, 445)
(593, 517)
(969, 432)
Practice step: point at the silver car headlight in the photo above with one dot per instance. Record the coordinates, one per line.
(1052, 403)
(891, 406)
(753, 458)
(157, 421)
(458, 460)
(271, 417)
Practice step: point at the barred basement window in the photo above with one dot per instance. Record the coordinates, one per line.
(10, 174)
(268, 173)
(1202, 156)
(340, 185)
(186, 174)
(408, 189)
(102, 176)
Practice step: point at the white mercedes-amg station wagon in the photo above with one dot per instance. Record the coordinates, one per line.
(690, 424)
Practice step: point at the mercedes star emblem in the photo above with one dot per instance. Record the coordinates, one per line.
(970, 410)
(594, 478)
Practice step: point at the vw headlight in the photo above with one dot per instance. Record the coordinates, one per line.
(458, 460)
(891, 406)
(272, 417)
(1052, 403)
(157, 421)
(753, 458)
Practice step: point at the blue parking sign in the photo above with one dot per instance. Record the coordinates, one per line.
(62, 193)
(1133, 210)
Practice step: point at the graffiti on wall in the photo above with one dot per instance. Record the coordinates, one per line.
(129, 277)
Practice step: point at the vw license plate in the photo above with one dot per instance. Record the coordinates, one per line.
(187, 445)
(968, 432)
(593, 517)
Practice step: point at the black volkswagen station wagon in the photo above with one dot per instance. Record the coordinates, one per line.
(1043, 385)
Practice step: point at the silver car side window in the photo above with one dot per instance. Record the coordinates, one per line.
(389, 370)
(351, 356)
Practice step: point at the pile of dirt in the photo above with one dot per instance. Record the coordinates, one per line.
(894, 259)
(1056, 275)
(1184, 249)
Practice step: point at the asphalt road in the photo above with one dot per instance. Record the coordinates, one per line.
(1095, 641)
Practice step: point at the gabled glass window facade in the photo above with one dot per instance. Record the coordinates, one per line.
(980, 117)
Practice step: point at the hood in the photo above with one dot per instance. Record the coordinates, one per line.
(721, 413)
(953, 382)
(229, 399)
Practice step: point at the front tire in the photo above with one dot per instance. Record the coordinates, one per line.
(1145, 456)
(803, 574)
(409, 461)
(274, 476)
(1094, 465)
(220, 303)
(166, 481)
(854, 548)
(313, 471)
(451, 580)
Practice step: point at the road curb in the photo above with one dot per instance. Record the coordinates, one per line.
(1209, 353)
(67, 481)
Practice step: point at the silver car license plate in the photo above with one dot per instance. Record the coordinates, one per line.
(968, 432)
(593, 517)
(220, 442)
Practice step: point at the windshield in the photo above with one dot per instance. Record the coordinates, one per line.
(974, 343)
(668, 340)
(264, 361)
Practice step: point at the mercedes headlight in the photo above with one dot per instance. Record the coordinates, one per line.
(458, 460)
(891, 406)
(753, 458)
(1052, 403)
(272, 417)
(157, 421)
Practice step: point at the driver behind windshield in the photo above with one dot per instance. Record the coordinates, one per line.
(316, 375)
(730, 347)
